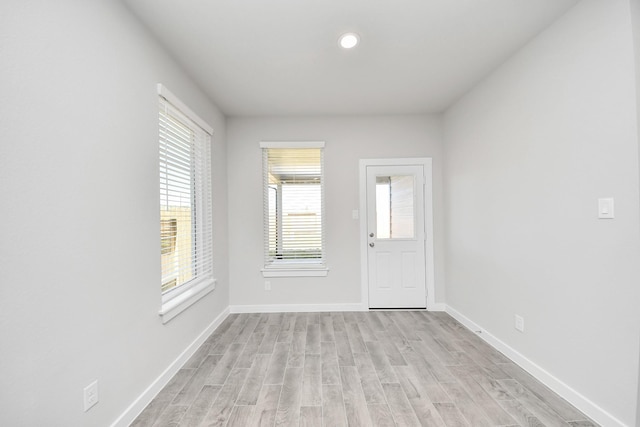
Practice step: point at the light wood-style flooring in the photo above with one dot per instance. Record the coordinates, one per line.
(377, 368)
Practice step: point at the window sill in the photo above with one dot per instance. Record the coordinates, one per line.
(291, 271)
(177, 304)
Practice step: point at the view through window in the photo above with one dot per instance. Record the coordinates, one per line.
(185, 220)
(293, 205)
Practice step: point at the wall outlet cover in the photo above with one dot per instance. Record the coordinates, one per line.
(90, 395)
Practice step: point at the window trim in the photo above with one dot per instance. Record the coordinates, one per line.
(294, 268)
(175, 301)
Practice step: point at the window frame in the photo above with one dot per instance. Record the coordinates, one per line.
(292, 268)
(176, 300)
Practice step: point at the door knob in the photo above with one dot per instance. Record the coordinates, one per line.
(372, 244)
(371, 234)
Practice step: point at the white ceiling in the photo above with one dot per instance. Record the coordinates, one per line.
(281, 57)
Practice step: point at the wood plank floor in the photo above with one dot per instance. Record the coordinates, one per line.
(377, 368)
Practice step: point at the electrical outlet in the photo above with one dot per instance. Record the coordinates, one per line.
(519, 323)
(267, 286)
(90, 395)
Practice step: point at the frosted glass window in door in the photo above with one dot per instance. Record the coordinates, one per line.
(395, 213)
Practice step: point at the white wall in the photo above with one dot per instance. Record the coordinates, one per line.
(635, 22)
(527, 154)
(348, 139)
(79, 254)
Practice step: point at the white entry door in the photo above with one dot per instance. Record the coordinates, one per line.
(395, 236)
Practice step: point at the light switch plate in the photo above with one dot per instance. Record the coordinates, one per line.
(519, 323)
(605, 208)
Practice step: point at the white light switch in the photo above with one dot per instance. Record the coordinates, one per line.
(605, 208)
(355, 214)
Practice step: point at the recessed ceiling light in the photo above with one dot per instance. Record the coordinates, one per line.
(349, 40)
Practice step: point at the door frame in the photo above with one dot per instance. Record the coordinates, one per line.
(426, 163)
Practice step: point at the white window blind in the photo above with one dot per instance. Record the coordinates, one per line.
(293, 205)
(185, 201)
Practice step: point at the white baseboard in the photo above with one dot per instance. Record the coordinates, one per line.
(147, 396)
(311, 308)
(585, 405)
(295, 308)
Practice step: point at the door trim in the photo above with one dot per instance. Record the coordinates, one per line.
(426, 163)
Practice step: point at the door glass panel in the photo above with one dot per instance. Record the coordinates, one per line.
(395, 211)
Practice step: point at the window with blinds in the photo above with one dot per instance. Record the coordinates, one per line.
(293, 205)
(185, 200)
